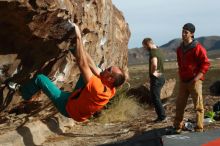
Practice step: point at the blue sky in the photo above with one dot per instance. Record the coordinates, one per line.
(162, 20)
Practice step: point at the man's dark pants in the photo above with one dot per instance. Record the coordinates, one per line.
(156, 84)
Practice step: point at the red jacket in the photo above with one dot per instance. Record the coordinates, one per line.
(192, 60)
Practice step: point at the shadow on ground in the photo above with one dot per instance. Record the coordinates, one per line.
(148, 138)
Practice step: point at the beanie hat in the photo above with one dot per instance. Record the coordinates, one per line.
(190, 27)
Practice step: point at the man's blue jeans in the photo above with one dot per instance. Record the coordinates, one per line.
(57, 96)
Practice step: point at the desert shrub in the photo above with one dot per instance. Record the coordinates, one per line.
(121, 108)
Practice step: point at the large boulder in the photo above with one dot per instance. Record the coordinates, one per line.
(36, 34)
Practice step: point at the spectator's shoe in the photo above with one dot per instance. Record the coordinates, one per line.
(177, 131)
(158, 120)
(173, 131)
(199, 130)
(14, 86)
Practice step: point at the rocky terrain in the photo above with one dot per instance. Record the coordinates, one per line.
(35, 37)
(38, 123)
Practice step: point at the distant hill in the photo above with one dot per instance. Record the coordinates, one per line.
(211, 43)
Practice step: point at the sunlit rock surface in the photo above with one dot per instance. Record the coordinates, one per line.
(36, 34)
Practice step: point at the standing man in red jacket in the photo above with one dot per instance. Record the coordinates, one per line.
(193, 63)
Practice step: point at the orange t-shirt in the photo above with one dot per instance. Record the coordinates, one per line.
(91, 99)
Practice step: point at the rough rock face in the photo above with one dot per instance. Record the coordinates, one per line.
(35, 37)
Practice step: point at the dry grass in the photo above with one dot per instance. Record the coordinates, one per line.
(122, 108)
